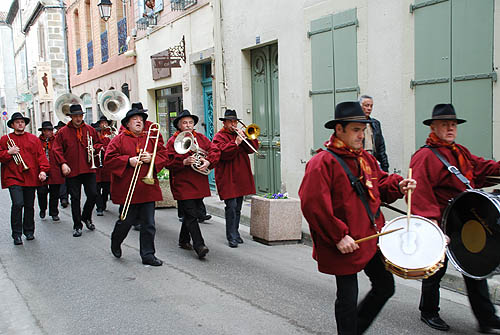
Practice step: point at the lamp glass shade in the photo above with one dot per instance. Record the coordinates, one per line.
(105, 9)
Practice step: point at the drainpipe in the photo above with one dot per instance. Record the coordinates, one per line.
(220, 80)
(65, 38)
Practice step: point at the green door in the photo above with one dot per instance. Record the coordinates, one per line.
(265, 108)
(454, 63)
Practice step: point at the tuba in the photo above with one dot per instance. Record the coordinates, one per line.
(63, 103)
(186, 142)
(114, 104)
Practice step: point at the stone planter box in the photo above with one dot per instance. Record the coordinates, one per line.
(168, 198)
(275, 221)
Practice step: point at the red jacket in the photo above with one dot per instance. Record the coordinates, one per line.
(120, 149)
(55, 175)
(72, 151)
(233, 173)
(436, 185)
(32, 155)
(185, 182)
(333, 210)
(103, 174)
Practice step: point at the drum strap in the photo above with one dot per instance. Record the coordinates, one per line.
(358, 188)
(453, 169)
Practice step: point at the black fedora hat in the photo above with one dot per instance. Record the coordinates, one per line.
(229, 114)
(132, 112)
(59, 125)
(46, 125)
(17, 116)
(349, 111)
(95, 126)
(75, 110)
(138, 105)
(185, 113)
(443, 112)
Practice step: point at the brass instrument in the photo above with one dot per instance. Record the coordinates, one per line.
(137, 169)
(63, 103)
(18, 159)
(252, 131)
(114, 104)
(109, 131)
(90, 151)
(99, 158)
(186, 142)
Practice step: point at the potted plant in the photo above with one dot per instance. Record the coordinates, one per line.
(275, 219)
(168, 198)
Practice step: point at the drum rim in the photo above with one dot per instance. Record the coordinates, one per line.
(438, 229)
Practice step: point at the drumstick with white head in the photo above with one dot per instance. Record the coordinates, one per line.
(408, 214)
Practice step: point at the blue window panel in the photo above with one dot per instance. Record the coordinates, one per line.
(90, 54)
(104, 47)
(122, 35)
(78, 61)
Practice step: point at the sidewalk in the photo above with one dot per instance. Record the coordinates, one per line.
(452, 280)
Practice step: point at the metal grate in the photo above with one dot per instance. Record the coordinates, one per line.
(104, 47)
(78, 61)
(182, 4)
(122, 35)
(90, 54)
(148, 20)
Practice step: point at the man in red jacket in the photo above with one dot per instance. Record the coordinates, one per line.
(233, 173)
(436, 186)
(54, 179)
(122, 158)
(188, 186)
(337, 217)
(24, 166)
(103, 173)
(72, 153)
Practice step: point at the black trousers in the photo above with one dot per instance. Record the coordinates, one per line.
(477, 292)
(190, 229)
(355, 319)
(75, 191)
(233, 214)
(202, 214)
(63, 191)
(146, 211)
(22, 197)
(102, 195)
(52, 191)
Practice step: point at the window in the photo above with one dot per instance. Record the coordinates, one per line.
(41, 41)
(125, 90)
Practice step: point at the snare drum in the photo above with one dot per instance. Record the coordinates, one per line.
(416, 253)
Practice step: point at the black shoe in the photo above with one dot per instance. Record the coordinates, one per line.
(202, 252)
(89, 224)
(64, 203)
(153, 262)
(492, 327)
(77, 232)
(204, 218)
(435, 322)
(99, 213)
(137, 227)
(116, 250)
(186, 246)
(239, 240)
(233, 244)
(181, 219)
(18, 240)
(55, 218)
(42, 214)
(30, 236)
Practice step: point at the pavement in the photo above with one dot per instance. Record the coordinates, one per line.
(452, 280)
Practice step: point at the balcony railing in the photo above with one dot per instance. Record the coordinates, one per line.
(181, 4)
(90, 54)
(78, 61)
(122, 35)
(104, 47)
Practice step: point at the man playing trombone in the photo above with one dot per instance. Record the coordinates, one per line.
(233, 173)
(24, 166)
(74, 149)
(133, 181)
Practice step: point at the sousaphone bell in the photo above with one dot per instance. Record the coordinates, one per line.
(63, 103)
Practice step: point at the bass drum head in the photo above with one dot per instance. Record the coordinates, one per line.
(471, 222)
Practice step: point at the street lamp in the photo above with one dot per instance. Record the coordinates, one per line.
(105, 9)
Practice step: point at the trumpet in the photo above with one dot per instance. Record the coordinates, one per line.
(252, 131)
(99, 159)
(18, 159)
(109, 131)
(149, 177)
(186, 142)
(90, 151)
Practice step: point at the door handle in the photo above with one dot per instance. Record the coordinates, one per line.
(278, 144)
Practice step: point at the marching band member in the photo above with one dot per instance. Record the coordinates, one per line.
(337, 216)
(54, 179)
(63, 190)
(437, 185)
(188, 186)
(122, 158)
(24, 166)
(103, 174)
(72, 152)
(233, 173)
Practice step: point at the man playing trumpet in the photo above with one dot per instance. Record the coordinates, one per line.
(126, 156)
(24, 167)
(72, 152)
(233, 173)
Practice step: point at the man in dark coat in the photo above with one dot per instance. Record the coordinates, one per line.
(436, 186)
(337, 217)
(233, 173)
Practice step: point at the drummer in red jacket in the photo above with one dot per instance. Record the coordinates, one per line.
(437, 185)
(24, 167)
(337, 217)
(233, 173)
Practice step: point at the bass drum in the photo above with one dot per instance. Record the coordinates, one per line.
(471, 220)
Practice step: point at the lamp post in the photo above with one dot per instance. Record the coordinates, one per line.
(105, 9)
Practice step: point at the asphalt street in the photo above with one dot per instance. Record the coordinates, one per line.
(58, 284)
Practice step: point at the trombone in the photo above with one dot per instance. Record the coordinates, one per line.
(90, 151)
(149, 177)
(18, 159)
(252, 131)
